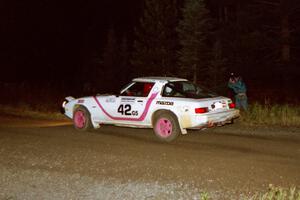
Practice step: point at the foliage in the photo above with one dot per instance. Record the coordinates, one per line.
(107, 69)
(156, 39)
(124, 66)
(278, 193)
(216, 73)
(194, 31)
(246, 44)
(204, 42)
(204, 196)
(273, 193)
(109, 53)
(109, 66)
(283, 115)
(259, 41)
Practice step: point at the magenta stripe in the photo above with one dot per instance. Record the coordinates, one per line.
(141, 118)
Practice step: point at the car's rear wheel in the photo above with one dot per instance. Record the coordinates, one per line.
(82, 119)
(166, 126)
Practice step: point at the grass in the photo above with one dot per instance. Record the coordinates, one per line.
(282, 115)
(273, 193)
(25, 110)
(278, 193)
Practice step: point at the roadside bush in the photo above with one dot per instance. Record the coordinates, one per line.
(283, 115)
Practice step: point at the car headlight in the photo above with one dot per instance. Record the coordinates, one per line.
(64, 103)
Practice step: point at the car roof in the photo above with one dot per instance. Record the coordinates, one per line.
(159, 78)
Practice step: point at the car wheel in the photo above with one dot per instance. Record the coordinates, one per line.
(166, 126)
(82, 119)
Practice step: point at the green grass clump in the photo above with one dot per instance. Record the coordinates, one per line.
(204, 196)
(283, 115)
(278, 193)
(273, 193)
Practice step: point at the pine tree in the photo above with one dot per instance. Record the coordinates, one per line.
(194, 32)
(217, 69)
(109, 62)
(109, 53)
(156, 39)
(124, 65)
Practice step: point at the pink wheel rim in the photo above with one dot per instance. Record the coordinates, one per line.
(79, 119)
(163, 127)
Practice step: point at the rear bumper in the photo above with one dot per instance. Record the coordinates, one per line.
(217, 119)
(223, 116)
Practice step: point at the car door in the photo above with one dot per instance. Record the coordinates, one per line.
(134, 101)
(131, 106)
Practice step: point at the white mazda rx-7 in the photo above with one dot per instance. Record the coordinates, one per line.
(168, 105)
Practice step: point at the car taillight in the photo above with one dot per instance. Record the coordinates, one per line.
(201, 110)
(231, 105)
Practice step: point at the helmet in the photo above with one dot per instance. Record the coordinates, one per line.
(168, 90)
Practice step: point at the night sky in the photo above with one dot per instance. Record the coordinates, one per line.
(50, 40)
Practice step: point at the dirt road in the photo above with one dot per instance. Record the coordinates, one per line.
(51, 160)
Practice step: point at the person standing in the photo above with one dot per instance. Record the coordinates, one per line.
(238, 86)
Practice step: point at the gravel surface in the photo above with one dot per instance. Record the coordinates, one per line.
(44, 160)
(42, 184)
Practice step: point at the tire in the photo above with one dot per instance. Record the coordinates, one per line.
(82, 119)
(166, 126)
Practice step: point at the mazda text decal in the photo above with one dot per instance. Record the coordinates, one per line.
(127, 99)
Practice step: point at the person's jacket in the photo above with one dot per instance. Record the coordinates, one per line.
(238, 86)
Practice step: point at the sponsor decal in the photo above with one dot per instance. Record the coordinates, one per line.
(218, 105)
(111, 100)
(80, 101)
(127, 99)
(168, 103)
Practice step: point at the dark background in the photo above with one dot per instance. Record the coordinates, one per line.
(50, 40)
(47, 47)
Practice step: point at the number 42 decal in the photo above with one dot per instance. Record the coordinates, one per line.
(126, 110)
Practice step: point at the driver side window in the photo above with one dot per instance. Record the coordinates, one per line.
(138, 89)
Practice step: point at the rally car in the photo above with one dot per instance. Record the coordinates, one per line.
(168, 105)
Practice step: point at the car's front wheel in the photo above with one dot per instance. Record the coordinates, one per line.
(166, 126)
(82, 119)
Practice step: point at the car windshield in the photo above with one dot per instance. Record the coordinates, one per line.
(186, 89)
